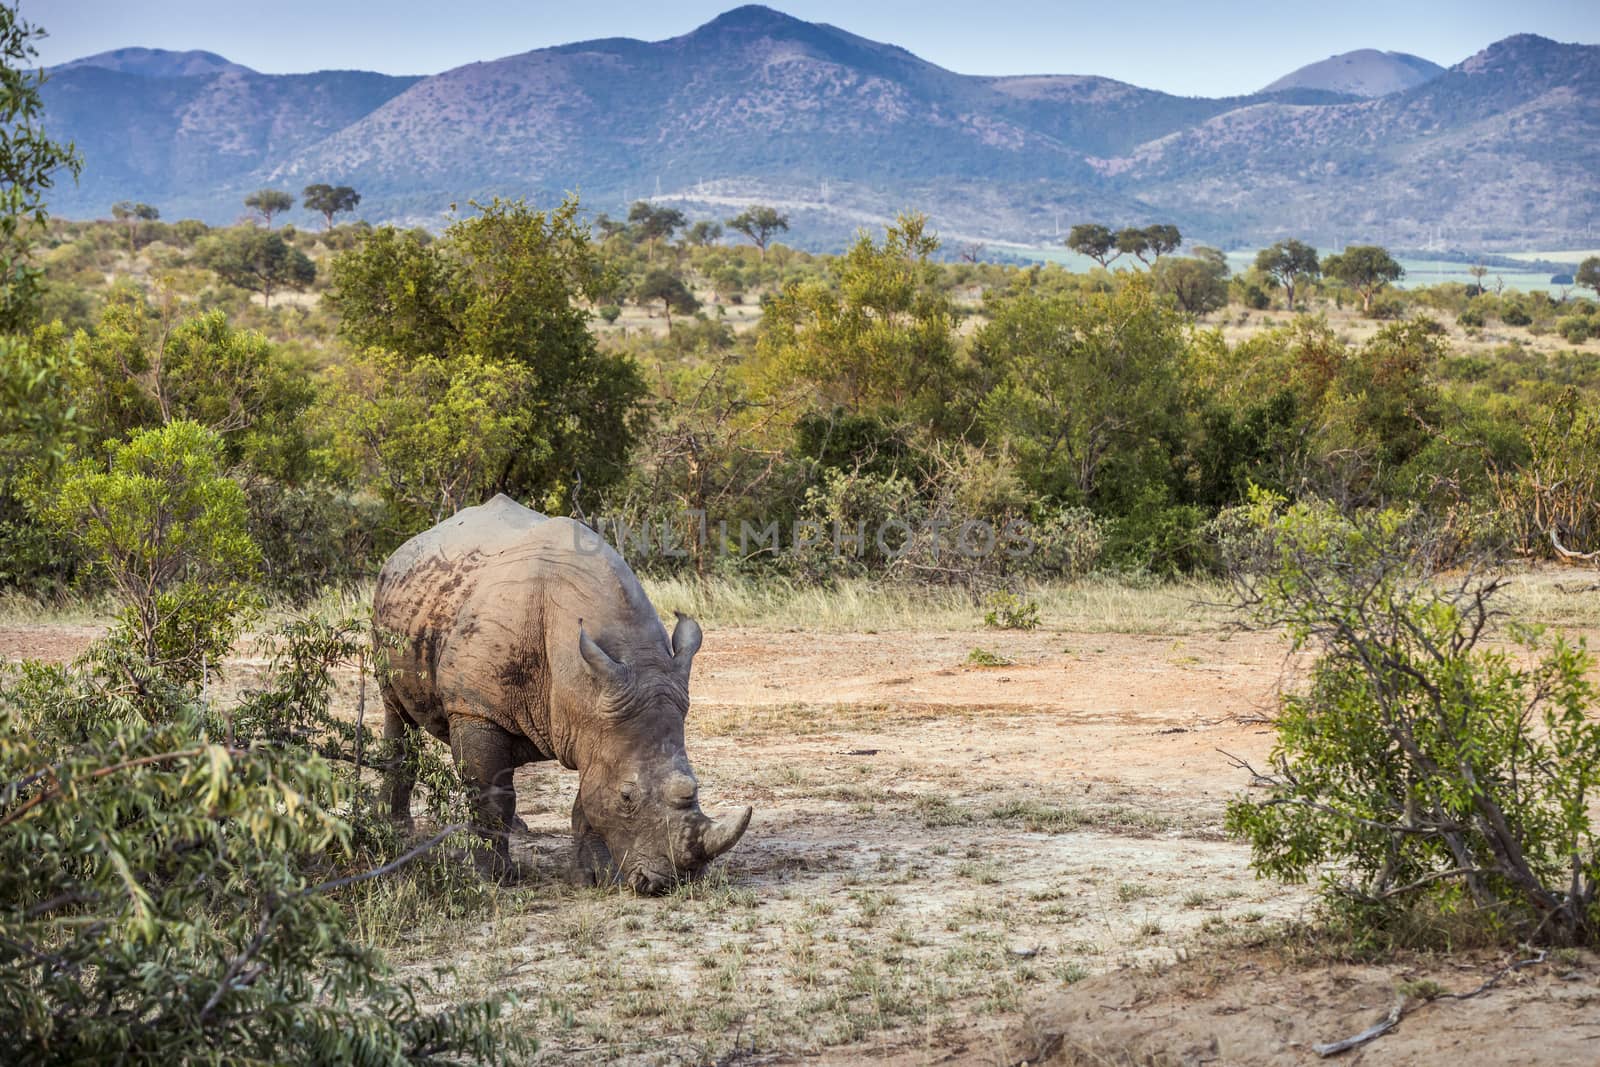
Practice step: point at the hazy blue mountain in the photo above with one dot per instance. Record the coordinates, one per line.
(157, 63)
(843, 131)
(183, 141)
(1500, 150)
(1364, 72)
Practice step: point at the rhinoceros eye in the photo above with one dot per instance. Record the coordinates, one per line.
(629, 793)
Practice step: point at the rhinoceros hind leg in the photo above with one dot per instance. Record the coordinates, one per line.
(401, 777)
(486, 757)
(591, 860)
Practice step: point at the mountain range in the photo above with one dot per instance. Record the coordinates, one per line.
(1498, 151)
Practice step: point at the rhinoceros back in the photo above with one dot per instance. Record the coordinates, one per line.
(485, 608)
(422, 588)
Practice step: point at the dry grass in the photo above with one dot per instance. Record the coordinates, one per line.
(1552, 595)
(71, 610)
(1093, 605)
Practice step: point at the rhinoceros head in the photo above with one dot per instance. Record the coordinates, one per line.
(636, 789)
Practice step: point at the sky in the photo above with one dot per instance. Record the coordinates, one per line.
(1188, 47)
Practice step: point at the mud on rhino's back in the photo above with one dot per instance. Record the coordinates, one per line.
(422, 587)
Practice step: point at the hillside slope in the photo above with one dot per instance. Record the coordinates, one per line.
(756, 106)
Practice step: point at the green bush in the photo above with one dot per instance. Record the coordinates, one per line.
(166, 526)
(1252, 295)
(1163, 540)
(1514, 314)
(312, 537)
(1424, 773)
(1576, 328)
(174, 875)
(38, 423)
(1387, 307)
(172, 893)
(1008, 611)
(1062, 542)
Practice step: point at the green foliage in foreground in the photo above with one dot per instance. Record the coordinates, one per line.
(169, 892)
(1423, 773)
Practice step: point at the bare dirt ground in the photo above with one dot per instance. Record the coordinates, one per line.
(959, 864)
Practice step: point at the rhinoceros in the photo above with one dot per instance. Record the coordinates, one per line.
(519, 638)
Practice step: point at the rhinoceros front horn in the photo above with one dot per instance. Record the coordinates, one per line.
(723, 834)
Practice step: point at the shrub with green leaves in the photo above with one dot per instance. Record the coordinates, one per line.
(1576, 328)
(292, 708)
(166, 525)
(499, 296)
(171, 892)
(1424, 772)
(38, 423)
(432, 435)
(31, 161)
(1008, 611)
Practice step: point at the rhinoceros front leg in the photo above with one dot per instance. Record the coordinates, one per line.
(591, 860)
(485, 755)
(401, 776)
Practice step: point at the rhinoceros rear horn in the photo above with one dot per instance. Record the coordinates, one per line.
(608, 672)
(723, 834)
(685, 641)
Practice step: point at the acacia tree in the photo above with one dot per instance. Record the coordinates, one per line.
(1478, 271)
(256, 260)
(133, 213)
(667, 287)
(269, 202)
(1162, 239)
(29, 163)
(1095, 241)
(1133, 241)
(703, 233)
(1291, 263)
(759, 223)
(330, 200)
(654, 224)
(1199, 283)
(1365, 268)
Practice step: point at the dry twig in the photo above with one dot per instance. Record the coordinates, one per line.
(1390, 1021)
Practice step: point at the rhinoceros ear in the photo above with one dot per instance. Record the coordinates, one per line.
(608, 672)
(685, 641)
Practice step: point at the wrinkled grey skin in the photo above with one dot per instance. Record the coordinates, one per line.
(524, 638)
